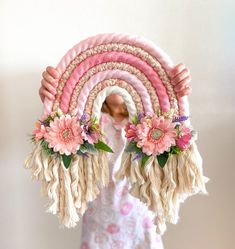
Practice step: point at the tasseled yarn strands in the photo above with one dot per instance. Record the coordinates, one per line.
(163, 189)
(69, 190)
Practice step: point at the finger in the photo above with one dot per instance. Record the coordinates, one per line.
(49, 78)
(40, 94)
(177, 69)
(48, 86)
(47, 94)
(182, 84)
(180, 76)
(184, 92)
(53, 72)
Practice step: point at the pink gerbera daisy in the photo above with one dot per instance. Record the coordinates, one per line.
(64, 135)
(155, 135)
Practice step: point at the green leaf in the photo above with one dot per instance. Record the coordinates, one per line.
(144, 159)
(95, 120)
(80, 153)
(175, 150)
(102, 146)
(134, 119)
(83, 148)
(162, 159)
(48, 120)
(94, 126)
(131, 147)
(66, 160)
(89, 147)
(46, 148)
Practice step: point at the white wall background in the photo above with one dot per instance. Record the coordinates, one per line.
(199, 33)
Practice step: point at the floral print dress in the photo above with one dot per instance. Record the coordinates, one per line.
(115, 219)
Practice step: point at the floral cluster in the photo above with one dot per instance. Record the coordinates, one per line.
(157, 135)
(66, 135)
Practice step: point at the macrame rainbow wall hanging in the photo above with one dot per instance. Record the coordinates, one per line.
(160, 160)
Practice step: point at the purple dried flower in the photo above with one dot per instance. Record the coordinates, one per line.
(138, 156)
(83, 118)
(139, 116)
(84, 154)
(179, 119)
(43, 122)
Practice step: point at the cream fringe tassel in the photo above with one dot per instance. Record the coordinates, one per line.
(163, 189)
(69, 190)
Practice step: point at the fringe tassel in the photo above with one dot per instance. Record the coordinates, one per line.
(163, 189)
(68, 190)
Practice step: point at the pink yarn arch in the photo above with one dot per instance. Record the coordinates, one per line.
(92, 60)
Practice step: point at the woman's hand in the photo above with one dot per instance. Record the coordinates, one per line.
(49, 83)
(180, 79)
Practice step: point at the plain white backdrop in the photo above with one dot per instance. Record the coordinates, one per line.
(199, 33)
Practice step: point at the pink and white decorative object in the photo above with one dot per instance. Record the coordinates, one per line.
(160, 160)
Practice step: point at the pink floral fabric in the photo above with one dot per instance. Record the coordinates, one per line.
(117, 220)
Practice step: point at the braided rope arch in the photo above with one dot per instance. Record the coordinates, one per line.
(116, 55)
